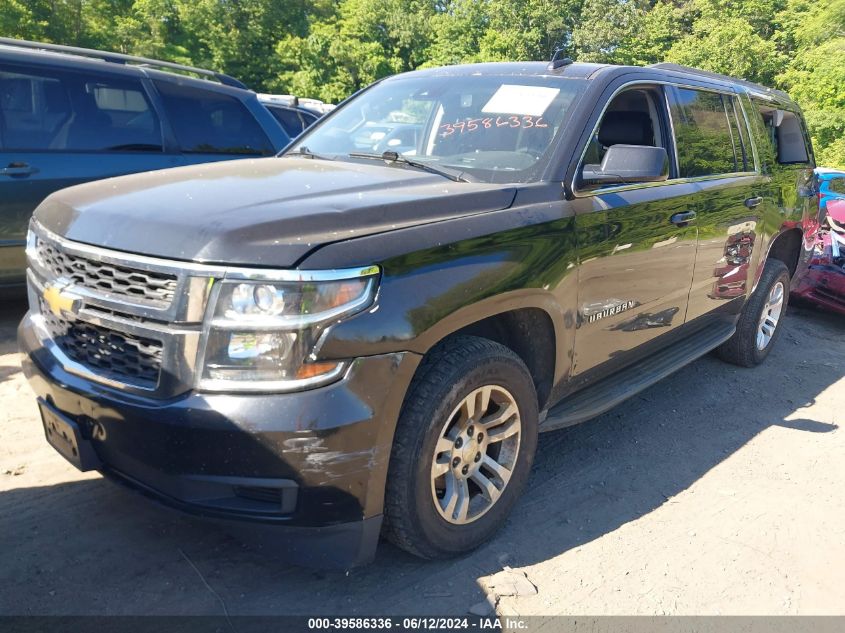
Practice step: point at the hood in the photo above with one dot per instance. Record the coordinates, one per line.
(263, 212)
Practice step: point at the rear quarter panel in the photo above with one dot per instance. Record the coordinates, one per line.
(786, 205)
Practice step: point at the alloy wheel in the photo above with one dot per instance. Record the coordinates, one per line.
(475, 454)
(770, 317)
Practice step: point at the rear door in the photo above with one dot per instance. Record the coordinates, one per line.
(60, 128)
(714, 152)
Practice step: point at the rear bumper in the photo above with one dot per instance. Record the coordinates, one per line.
(307, 466)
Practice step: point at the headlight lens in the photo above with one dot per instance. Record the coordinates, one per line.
(262, 334)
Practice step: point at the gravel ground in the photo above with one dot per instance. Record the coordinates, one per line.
(717, 491)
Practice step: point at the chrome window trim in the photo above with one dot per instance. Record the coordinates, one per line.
(676, 163)
(741, 120)
(671, 181)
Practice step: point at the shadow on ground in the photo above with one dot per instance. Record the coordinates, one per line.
(90, 547)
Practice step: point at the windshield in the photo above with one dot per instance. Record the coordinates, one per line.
(489, 128)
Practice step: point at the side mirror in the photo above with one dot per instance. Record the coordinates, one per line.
(624, 164)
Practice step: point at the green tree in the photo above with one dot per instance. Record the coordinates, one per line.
(607, 30)
(816, 76)
(331, 48)
(730, 46)
(457, 32)
(529, 30)
(17, 20)
(363, 41)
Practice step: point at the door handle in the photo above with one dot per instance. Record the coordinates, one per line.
(18, 169)
(753, 202)
(682, 219)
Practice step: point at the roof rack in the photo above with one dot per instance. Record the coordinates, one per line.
(764, 90)
(120, 58)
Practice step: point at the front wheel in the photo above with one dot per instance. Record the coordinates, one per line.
(463, 448)
(761, 320)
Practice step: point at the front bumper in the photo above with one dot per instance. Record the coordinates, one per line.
(823, 285)
(314, 462)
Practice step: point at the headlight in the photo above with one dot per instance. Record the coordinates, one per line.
(262, 334)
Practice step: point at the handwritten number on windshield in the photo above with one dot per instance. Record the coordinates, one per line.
(473, 125)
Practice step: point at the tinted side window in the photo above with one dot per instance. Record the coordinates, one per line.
(703, 133)
(208, 122)
(290, 120)
(67, 111)
(837, 185)
(786, 133)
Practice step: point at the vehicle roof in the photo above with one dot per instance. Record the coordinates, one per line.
(589, 71)
(829, 171)
(57, 59)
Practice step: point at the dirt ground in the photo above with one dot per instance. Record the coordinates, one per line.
(718, 491)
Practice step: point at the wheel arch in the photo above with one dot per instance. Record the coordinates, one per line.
(526, 328)
(786, 247)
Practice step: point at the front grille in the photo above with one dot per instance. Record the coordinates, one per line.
(114, 355)
(146, 287)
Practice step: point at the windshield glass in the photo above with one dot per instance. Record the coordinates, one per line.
(490, 128)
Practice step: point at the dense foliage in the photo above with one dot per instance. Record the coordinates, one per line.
(331, 48)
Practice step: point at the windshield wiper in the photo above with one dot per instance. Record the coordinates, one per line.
(306, 153)
(394, 157)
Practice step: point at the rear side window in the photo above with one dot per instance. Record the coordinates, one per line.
(708, 135)
(786, 133)
(293, 122)
(837, 185)
(207, 122)
(68, 111)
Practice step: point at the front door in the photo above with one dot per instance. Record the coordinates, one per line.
(636, 242)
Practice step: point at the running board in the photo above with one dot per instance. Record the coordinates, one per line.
(608, 392)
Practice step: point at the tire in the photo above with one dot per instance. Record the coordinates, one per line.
(452, 381)
(748, 346)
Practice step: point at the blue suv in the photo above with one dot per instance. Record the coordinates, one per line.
(70, 115)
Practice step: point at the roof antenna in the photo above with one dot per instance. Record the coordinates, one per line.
(558, 62)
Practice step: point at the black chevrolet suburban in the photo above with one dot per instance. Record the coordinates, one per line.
(364, 335)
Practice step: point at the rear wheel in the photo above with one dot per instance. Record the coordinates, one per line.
(761, 320)
(463, 449)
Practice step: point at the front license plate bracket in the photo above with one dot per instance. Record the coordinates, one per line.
(63, 434)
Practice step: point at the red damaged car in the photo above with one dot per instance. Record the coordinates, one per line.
(823, 282)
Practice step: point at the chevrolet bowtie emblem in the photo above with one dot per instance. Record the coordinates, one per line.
(61, 301)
